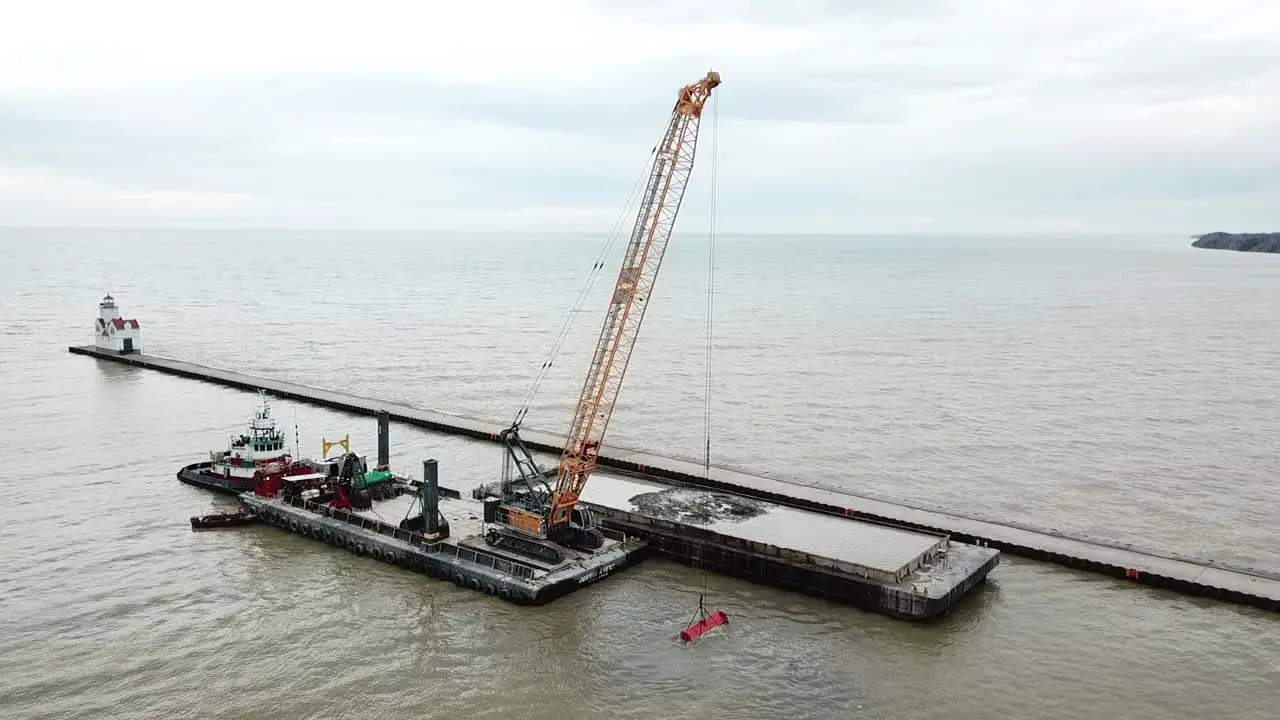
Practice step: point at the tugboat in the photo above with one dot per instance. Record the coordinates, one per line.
(255, 455)
(259, 457)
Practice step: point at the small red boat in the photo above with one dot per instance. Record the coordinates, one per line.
(221, 520)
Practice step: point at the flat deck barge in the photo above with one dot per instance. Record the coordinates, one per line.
(1240, 585)
(463, 558)
(903, 573)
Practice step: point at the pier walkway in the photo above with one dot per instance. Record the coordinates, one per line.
(1248, 587)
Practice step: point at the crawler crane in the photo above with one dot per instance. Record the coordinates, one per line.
(533, 515)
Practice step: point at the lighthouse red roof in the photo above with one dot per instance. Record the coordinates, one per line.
(123, 324)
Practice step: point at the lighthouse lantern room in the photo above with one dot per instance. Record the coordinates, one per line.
(114, 333)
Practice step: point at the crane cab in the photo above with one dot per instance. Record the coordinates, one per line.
(523, 531)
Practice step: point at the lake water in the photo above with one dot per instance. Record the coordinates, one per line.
(1115, 388)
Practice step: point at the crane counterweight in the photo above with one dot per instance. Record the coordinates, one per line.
(530, 505)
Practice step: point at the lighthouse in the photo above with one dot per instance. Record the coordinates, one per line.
(114, 333)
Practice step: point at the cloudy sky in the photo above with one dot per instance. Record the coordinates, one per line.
(834, 116)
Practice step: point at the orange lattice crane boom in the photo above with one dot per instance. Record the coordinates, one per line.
(655, 219)
(530, 506)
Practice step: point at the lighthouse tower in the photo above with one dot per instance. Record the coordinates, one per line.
(114, 333)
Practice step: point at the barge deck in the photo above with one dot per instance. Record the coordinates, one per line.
(902, 573)
(465, 560)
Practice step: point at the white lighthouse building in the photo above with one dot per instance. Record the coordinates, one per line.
(114, 333)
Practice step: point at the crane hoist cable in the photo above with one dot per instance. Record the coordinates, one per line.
(590, 282)
(702, 618)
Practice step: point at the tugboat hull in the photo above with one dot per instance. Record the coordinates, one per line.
(198, 474)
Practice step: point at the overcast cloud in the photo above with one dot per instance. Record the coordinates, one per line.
(867, 116)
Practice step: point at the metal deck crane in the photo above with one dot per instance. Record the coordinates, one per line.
(530, 506)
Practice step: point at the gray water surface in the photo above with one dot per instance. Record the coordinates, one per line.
(1121, 388)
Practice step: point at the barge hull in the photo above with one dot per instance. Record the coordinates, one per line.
(459, 562)
(928, 592)
(899, 572)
